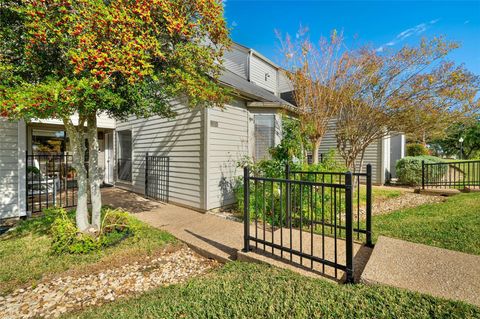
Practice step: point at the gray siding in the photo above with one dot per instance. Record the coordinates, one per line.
(9, 169)
(259, 68)
(284, 84)
(373, 153)
(227, 143)
(181, 139)
(236, 60)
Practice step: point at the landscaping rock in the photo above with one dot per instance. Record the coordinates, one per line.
(406, 200)
(53, 298)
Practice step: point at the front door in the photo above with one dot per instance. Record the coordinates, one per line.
(109, 158)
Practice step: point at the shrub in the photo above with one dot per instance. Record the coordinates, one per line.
(265, 198)
(409, 169)
(116, 226)
(416, 150)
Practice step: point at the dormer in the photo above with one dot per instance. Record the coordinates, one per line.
(256, 68)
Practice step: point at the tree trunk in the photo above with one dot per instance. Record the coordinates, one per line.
(362, 157)
(77, 142)
(94, 175)
(315, 150)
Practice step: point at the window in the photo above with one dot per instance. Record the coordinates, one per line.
(264, 136)
(46, 141)
(124, 160)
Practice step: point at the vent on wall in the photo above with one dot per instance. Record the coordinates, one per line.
(213, 123)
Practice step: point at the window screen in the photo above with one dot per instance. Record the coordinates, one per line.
(264, 136)
(124, 153)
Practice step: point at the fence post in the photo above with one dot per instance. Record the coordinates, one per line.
(288, 204)
(423, 174)
(369, 206)
(146, 175)
(349, 227)
(246, 209)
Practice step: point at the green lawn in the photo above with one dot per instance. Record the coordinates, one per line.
(25, 255)
(453, 224)
(241, 290)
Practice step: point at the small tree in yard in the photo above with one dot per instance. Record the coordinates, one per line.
(64, 57)
(317, 74)
(404, 91)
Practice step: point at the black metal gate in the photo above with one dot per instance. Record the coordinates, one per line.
(51, 181)
(157, 177)
(309, 218)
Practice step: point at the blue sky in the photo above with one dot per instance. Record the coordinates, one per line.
(377, 23)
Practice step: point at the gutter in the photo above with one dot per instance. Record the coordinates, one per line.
(273, 105)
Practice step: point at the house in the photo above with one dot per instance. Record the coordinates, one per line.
(382, 154)
(203, 146)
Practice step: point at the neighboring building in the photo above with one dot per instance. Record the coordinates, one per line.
(382, 154)
(203, 145)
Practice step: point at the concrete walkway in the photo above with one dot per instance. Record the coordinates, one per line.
(426, 269)
(222, 239)
(393, 262)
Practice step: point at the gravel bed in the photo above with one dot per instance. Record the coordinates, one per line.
(406, 200)
(52, 298)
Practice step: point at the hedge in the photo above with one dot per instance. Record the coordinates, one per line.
(409, 168)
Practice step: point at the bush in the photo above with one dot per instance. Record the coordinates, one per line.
(409, 169)
(116, 226)
(265, 198)
(416, 150)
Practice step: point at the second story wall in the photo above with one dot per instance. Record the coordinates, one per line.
(263, 74)
(236, 60)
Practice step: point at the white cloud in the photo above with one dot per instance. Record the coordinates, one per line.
(416, 30)
(234, 24)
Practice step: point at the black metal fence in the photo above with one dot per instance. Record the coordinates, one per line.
(157, 177)
(51, 181)
(309, 217)
(455, 175)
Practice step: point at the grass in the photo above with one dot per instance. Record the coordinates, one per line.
(241, 290)
(379, 194)
(25, 253)
(453, 224)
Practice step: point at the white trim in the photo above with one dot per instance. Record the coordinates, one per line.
(385, 161)
(22, 178)
(402, 145)
(206, 125)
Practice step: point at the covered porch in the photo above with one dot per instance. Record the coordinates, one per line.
(50, 178)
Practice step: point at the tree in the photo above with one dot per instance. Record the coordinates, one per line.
(450, 145)
(401, 91)
(64, 57)
(317, 75)
(291, 144)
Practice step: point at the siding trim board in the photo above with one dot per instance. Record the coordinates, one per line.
(22, 169)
